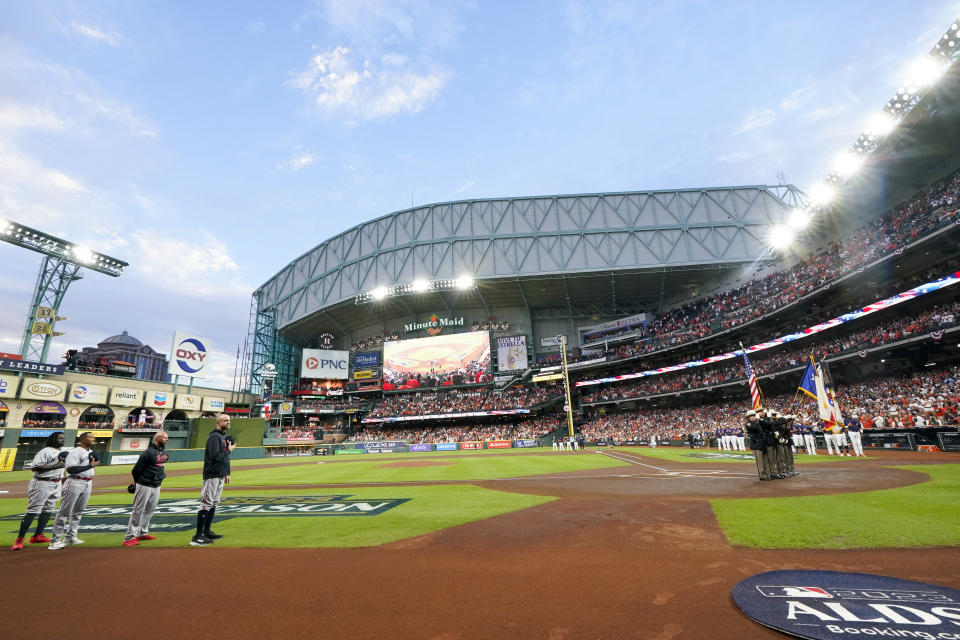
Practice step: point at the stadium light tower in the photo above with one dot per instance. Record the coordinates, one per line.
(61, 265)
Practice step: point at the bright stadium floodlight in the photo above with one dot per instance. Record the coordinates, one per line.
(799, 219)
(82, 255)
(780, 237)
(847, 163)
(881, 123)
(420, 286)
(464, 282)
(924, 72)
(379, 293)
(821, 194)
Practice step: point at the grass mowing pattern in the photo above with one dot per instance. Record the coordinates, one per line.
(429, 509)
(454, 468)
(922, 515)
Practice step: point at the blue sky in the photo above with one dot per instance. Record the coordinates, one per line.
(210, 143)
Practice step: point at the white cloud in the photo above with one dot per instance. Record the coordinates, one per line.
(255, 26)
(198, 266)
(797, 99)
(18, 116)
(299, 161)
(342, 88)
(370, 24)
(93, 33)
(756, 119)
(824, 113)
(19, 173)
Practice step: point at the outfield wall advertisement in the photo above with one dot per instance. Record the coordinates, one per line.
(437, 361)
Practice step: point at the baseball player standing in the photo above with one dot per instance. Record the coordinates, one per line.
(148, 473)
(216, 473)
(43, 490)
(80, 463)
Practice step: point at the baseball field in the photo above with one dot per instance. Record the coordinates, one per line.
(618, 543)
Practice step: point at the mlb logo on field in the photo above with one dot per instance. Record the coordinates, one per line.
(794, 592)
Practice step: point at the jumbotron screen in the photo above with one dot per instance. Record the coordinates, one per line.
(437, 361)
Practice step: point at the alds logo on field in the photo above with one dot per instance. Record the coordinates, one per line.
(181, 515)
(849, 604)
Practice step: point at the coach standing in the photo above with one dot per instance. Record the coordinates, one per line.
(216, 473)
(148, 473)
(80, 463)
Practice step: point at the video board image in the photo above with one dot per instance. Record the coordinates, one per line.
(437, 361)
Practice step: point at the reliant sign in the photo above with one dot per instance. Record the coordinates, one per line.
(83, 393)
(29, 366)
(123, 397)
(189, 355)
(831, 604)
(434, 325)
(323, 363)
(38, 389)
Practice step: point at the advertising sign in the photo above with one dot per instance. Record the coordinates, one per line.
(49, 407)
(830, 604)
(419, 447)
(134, 444)
(552, 341)
(512, 353)
(362, 375)
(7, 457)
(434, 325)
(439, 361)
(87, 393)
(499, 444)
(187, 402)
(159, 399)
(29, 366)
(383, 444)
(124, 397)
(38, 389)
(524, 443)
(322, 363)
(471, 445)
(124, 459)
(366, 360)
(37, 433)
(212, 404)
(446, 446)
(8, 385)
(189, 355)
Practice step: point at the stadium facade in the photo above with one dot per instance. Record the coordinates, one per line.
(535, 267)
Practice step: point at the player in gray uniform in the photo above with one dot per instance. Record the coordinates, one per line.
(148, 473)
(43, 490)
(216, 473)
(77, 488)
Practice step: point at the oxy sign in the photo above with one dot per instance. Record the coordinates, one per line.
(323, 363)
(189, 355)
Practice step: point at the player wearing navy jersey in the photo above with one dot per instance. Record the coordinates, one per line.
(43, 491)
(148, 473)
(80, 463)
(854, 430)
(216, 474)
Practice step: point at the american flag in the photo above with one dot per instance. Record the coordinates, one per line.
(752, 381)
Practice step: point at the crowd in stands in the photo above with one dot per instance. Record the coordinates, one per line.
(928, 398)
(433, 403)
(783, 358)
(731, 308)
(331, 404)
(520, 430)
(45, 422)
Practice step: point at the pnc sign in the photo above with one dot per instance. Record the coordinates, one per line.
(190, 355)
(324, 363)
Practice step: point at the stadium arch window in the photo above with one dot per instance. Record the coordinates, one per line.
(176, 420)
(98, 416)
(140, 419)
(3, 414)
(208, 414)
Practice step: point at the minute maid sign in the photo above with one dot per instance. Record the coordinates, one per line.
(181, 515)
(434, 325)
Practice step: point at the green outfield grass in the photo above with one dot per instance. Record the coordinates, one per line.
(371, 468)
(428, 509)
(685, 454)
(921, 515)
